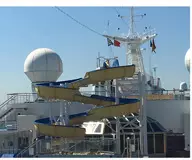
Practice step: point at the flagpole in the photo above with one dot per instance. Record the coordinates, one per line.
(110, 48)
(150, 67)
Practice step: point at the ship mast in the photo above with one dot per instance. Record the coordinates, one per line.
(133, 55)
(131, 29)
(133, 41)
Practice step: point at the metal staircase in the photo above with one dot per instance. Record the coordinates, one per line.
(15, 98)
(25, 151)
(4, 107)
(7, 101)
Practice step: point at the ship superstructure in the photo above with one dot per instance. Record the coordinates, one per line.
(126, 135)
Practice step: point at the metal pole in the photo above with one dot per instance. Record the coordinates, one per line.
(98, 89)
(127, 140)
(118, 136)
(124, 140)
(165, 143)
(36, 148)
(141, 110)
(127, 55)
(106, 88)
(99, 59)
(154, 148)
(66, 147)
(138, 147)
(50, 114)
(61, 114)
(66, 113)
(143, 117)
(118, 150)
(130, 149)
(116, 92)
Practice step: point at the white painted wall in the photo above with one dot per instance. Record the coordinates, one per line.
(42, 109)
(187, 130)
(169, 113)
(26, 123)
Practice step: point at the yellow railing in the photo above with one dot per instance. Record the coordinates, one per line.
(160, 97)
(156, 97)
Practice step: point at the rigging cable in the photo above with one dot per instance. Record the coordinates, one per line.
(119, 15)
(78, 22)
(110, 47)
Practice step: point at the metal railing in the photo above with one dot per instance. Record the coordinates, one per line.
(94, 146)
(8, 125)
(11, 125)
(10, 150)
(19, 98)
(132, 148)
(16, 98)
(132, 93)
(148, 32)
(4, 106)
(9, 100)
(78, 145)
(2, 125)
(25, 152)
(22, 97)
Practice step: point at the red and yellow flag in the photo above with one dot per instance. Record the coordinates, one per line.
(153, 46)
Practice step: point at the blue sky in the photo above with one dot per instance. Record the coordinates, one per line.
(24, 29)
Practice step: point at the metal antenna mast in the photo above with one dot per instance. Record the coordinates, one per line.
(155, 70)
(131, 28)
(133, 42)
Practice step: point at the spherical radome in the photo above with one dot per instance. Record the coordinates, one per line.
(187, 60)
(183, 86)
(43, 65)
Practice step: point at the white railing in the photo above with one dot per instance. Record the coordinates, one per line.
(16, 98)
(4, 106)
(8, 125)
(9, 100)
(25, 152)
(78, 145)
(67, 147)
(2, 125)
(162, 94)
(11, 125)
(149, 32)
(10, 150)
(22, 97)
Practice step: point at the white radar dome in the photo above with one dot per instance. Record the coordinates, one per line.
(187, 60)
(183, 86)
(43, 65)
